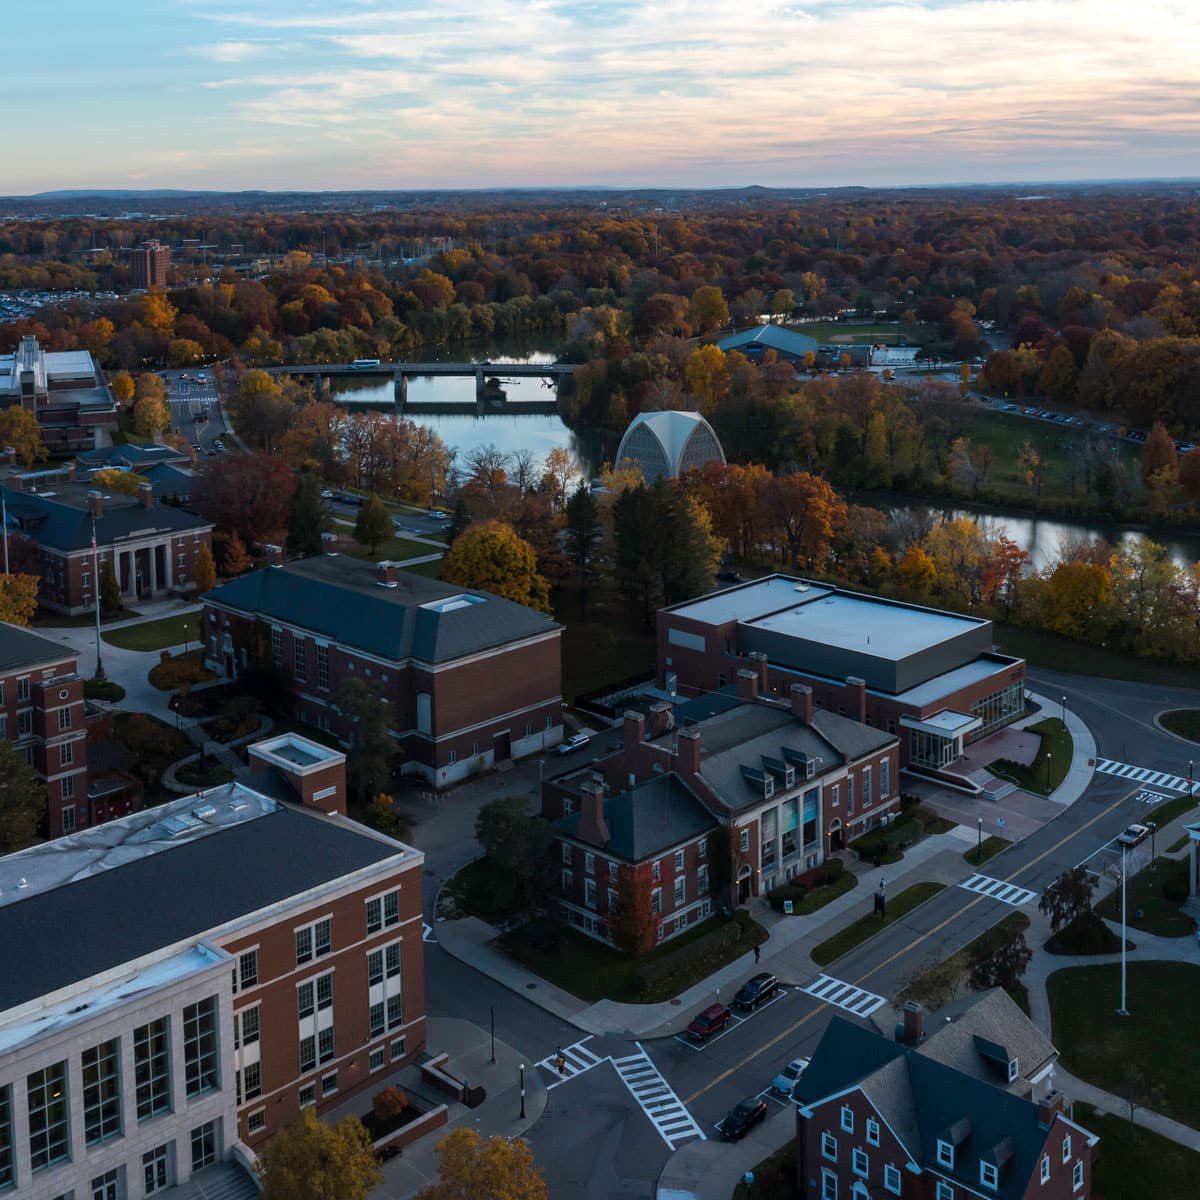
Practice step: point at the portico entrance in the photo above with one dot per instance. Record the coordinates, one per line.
(937, 741)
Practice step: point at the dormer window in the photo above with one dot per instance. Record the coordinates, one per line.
(768, 788)
(945, 1153)
(790, 776)
(989, 1175)
(1014, 1069)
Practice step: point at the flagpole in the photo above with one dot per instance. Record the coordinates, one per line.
(96, 587)
(4, 517)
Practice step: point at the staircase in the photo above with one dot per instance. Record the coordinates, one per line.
(993, 788)
(224, 1181)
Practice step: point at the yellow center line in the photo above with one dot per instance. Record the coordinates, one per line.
(906, 949)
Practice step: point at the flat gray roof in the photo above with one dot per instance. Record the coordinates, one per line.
(748, 601)
(952, 681)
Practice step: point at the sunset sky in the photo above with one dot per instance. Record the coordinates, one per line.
(297, 94)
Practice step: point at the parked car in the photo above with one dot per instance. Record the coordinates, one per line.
(437, 515)
(742, 1117)
(712, 1020)
(756, 990)
(729, 577)
(786, 1079)
(576, 741)
(1134, 835)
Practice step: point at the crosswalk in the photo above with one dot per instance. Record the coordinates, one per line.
(1176, 783)
(853, 999)
(666, 1112)
(997, 889)
(576, 1059)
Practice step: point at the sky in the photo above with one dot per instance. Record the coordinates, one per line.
(354, 94)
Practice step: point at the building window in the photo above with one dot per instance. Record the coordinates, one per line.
(308, 1053)
(329, 1083)
(23, 689)
(68, 819)
(872, 1132)
(702, 881)
(850, 794)
(155, 1168)
(568, 879)
(885, 778)
(101, 1092)
(847, 1119)
(891, 1179)
(256, 1122)
(613, 902)
(308, 1095)
(945, 1153)
(6, 1138)
(64, 718)
(204, 1145)
(745, 840)
(829, 1185)
(200, 1046)
(589, 893)
(859, 1163)
(323, 667)
(656, 900)
(989, 1176)
(377, 1060)
(868, 795)
(829, 1147)
(67, 789)
(589, 862)
(107, 1186)
(246, 1027)
(1014, 1067)
(312, 941)
(49, 1120)
(656, 871)
(702, 849)
(835, 795)
(452, 757)
(680, 890)
(1045, 1168)
(24, 723)
(250, 1082)
(1066, 1149)
(325, 1050)
(383, 911)
(277, 648)
(248, 969)
(1077, 1176)
(298, 668)
(397, 1049)
(944, 1191)
(152, 1069)
(678, 860)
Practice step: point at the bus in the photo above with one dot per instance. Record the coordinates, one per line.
(360, 364)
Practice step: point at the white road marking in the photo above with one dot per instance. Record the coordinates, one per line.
(667, 1113)
(997, 889)
(844, 995)
(1177, 783)
(576, 1059)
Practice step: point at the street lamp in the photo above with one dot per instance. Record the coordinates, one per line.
(979, 846)
(1189, 776)
(1047, 772)
(522, 1091)
(1064, 710)
(1122, 1011)
(185, 639)
(1153, 835)
(493, 1035)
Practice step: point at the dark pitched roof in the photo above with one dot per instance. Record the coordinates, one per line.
(168, 480)
(95, 923)
(649, 818)
(339, 596)
(62, 521)
(21, 647)
(129, 455)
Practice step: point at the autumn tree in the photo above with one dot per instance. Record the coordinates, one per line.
(20, 429)
(315, 1160)
(490, 555)
(1159, 460)
(372, 749)
(110, 589)
(707, 310)
(707, 378)
(158, 313)
(1067, 897)
(916, 573)
(18, 598)
(122, 387)
(632, 925)
(150, 385)
(262, 410)
(1080, 596)
(206, 569)
(250, 492)
(374, 523)
(808, 512)
(235, 560)
(310, 516)
(560, 468)
(114, 480)
(472, 1169)
(22, 800)
(151, 416)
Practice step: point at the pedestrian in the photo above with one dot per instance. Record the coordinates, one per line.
(757, 954)
(560, 1062)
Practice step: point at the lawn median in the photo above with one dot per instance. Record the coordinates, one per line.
(867, 926)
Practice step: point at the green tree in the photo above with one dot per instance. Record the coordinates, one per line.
(22, 801)
(999, 963)
(110, 589)
(372, 749)
(1067, 897)
(474, 1169)
(374, 523)
(491, 555)
(310, 516)
(583, 533)
(312, 1160)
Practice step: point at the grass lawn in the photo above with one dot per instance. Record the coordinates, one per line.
(204, 773)
(395, 549)
(1163, 814)
(1129, 1158)
(478, 889)
(45, 619)
(156, 635)
(1144, 892)
(804, 903)
(863, 334)
(603, 649)
(867, 926)
(1178, 844)
(1049, 768)
(1152, 1052)
(431, 570)
(992, 846)
(1183, 722)
(774, 1177)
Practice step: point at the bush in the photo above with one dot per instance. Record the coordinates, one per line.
(388, 1104)
(176, 671)
(102, 689)
(1175, 888)
(797, 888)
(1087, 934)
(659, 975)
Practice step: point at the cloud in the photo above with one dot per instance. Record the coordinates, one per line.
(233, 52)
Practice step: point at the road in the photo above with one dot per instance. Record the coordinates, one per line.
(188, 399)
(600, 1141)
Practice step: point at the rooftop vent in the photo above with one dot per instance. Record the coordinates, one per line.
(802, 587)
(22, 882)
(204, 811)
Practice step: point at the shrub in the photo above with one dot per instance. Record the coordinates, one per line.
(1086, 934)
(659, 976)
(1175, 888)
(174, 671)
(388, 1104)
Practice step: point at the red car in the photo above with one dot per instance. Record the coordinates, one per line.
(712, 1020)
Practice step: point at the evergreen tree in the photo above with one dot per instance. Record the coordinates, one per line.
(310, 516)
(460, 518)
(22, 801)
(374, 524)
(583, 532)
(372, 750)
(110, 590)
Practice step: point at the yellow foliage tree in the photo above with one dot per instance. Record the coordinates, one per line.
(122, 387)
(19, 429)
(490, 555)
(708, 310)
(151, 416)
(113, 480)
(206, 569)
(472, 1169)
(707, 378)
(1080, 598)
(18, 598)
(312, 1160)
(916, 572)
(158, 312)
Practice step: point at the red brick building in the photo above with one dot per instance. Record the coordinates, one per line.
(749, 793)
(969, 1111)
(234, 957)
(929, 676)
(472, 679)
(150, 263)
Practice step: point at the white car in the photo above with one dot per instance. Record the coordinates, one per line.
(576, 741)
(437, 515)
(786, 1079)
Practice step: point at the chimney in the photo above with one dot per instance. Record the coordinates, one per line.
(15, 483)
(385, 574)
(660, 718)
(69, 472)
(759, 663)
(747, 686)
(145, 495)
(687, 753)
(329, 543)
(1050, 1106)
(274, 555)
(914, 1023)
(592, 827)
(802, 703)
(856, 698)
(634, 728)
(95, 503)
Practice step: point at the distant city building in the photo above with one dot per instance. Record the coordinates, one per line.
(474, 680)
(930, 676)
(150, 262)
(194, 976)
(665, 444)
(64, 389)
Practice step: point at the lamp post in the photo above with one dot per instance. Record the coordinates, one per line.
(1047, 772)
(493, 1035)
(1122, 1011)
(96, 592)
(1189, 776)
(1153, 835)
(185, 639)
(979, 844)
(522, 1091)
(1064, 702)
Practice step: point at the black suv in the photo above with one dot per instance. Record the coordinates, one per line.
(754, 991)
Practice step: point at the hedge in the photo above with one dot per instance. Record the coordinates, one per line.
(798, 888)
(671, 973)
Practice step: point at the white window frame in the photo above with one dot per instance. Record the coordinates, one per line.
(829, 1184)
(829, 1146)
(1077, 1175)
(891, 1179)
(377, 1059)
(1066, 1149)
(745, 843)
(1045, 1168)
(308, 1094)
(256, 1121)
(872, 1132)
(944, 1191)
(945, 1154)
(679, 860)
(847, 1119)
(989, 1175)
(860, 1162)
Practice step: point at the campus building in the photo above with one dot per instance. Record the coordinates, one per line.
(64, 389)
(709, 804)
(666, 444)
(472, 679)
(194, 976)
(150, 263)
(969, 1111)
(928, 676)
(152, 546)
